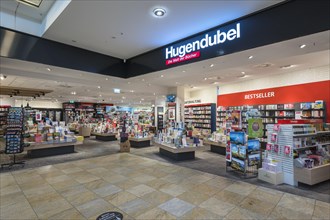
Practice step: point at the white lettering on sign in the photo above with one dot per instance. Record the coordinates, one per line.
(206, 41)
(193, 101)
(261, 95)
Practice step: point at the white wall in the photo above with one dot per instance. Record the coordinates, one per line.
(299, 77)
(206, 95)
(33, 104)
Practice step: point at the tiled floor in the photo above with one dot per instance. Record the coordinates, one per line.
(143, 188)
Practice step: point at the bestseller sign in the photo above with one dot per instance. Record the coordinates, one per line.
(192, 49)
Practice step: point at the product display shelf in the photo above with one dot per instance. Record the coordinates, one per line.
(50, 149)
(216, 147)
(14, 134)
(179, 154)
(201, 116)
(105, 136)
(3, 118)
(139, 142)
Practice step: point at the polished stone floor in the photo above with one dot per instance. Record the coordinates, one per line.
(143, 188)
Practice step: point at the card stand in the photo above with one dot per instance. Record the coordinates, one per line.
(14, 136)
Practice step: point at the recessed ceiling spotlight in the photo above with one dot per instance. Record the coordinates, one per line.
(302, 46)
(244, 76)
(106, 78)
(73, 93)
(250, 57)
(132, 91)
(243, 72)
(142, 80)
(183, 71)
(212, 65)
(2, 77)
(142, 99)
(288, 66)
(48, 69)
(205, 78)
(99, 87)
(123, 97)
(154, 93)
(100, 95)
(216, 83)
(162, 76)
(159, 12)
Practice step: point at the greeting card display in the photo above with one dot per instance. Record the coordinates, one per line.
(237, 137)
(238, 164)
(253, 159)
(242, 152)
(253, 146)
(255, 128)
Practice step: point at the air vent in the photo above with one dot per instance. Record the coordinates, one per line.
(34, 3)
(264, 65)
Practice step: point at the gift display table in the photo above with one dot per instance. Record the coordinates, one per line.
(139, 142)
(105, 137)
(185, 153)
(216, 147)
(44, 150)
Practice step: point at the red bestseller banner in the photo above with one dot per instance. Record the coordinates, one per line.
(308, 92)
(189, 56)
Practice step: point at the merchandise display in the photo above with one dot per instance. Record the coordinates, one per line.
(301, 152)
(3, 118)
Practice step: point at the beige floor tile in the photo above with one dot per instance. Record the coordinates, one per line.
(230, 197)
(194, 198)
(200, 214)
(266, 194)
(65, 184)
(9, 190)
(94, 208)
(156, 198)
(173, 189)
(120, 198)
(52, 174)
(84, 177)
(39, 191)
(28, 178)
(11, 199)
(173, 178)
(220, 182)
(135, 207)
(206, 189)
(6, 179)
(81, 198)
(70, 170)
(63, 166)
(33, 184)
(199, 178)
(46, 169)
(144, 178)
(217, 206)
(285, 213)
(47, 207)
(114, 178)
(126, 184)
(241, 188)
(156, 213)
(157, 183)
(297, 203)
(157, 173)
(140, 190)
(96, 184)
(70, 214)
(239, 213)
(19, 210)
(98, 170)
(257, 206)
(321, 210)
(56, 179)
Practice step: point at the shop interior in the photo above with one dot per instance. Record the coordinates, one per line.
(190, 115)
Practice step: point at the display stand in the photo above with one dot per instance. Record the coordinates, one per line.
(14, 135)
(244, 155)
(105, 137)
(139, 142)
(216, 147)
(44, 150)
(179, 154)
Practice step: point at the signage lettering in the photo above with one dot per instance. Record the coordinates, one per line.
(180, 53)
(260, 95)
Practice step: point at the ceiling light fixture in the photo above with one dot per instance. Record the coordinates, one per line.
(302, 46)
(250, 57)
(34, 3)
(243, 72)
(183, 71)
(159, 12)
(48, 69)
(288, 66)
(205, 78)
(162, 76)
(99, 87)
(212, 65)
(2, 77)
(106, 78)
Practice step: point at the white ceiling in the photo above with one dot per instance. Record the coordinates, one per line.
(93, 24)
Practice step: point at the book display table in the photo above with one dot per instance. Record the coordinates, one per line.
(185, 153)
(139, 142)
(44, 150)
(105, 137)
(216, 147)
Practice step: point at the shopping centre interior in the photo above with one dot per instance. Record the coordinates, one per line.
(128, 108)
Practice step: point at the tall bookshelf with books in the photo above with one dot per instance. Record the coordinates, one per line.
(201, 117)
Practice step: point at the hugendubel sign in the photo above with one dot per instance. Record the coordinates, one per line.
(192, 50)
